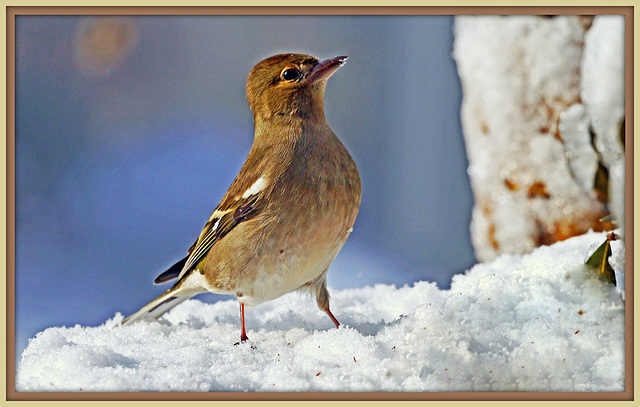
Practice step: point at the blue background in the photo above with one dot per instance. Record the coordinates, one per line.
(115, 176)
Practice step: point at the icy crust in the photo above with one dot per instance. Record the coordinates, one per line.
(519, 74)
(539, 322)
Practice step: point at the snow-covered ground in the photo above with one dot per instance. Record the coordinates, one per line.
(539, 322)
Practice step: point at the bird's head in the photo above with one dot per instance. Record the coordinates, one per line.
(289, 85)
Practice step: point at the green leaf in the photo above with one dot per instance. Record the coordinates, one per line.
(599, 261)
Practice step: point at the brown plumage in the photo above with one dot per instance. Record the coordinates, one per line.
(289, 210)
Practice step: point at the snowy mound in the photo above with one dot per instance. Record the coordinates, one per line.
(540, 322)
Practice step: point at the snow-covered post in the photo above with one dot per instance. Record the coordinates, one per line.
(519, 75)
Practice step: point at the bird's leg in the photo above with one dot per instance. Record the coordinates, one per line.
(243, 335)
(335, 321)
(322, 298)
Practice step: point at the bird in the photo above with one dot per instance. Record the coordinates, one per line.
(290, 209)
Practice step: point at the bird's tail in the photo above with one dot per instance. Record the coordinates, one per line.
(177, 294)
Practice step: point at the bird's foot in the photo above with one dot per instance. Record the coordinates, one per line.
(238, 343)
(243, 339)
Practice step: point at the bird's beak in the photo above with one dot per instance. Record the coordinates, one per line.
(324, 69)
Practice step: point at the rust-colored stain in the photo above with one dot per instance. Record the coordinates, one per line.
(512, 186)
(482, 121)
(484, 127)
(569, 227)
(486, 208)
(538, 190)
(492, 237)
(564, 229)
(543, 236)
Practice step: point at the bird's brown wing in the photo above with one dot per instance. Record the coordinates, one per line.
(239, 204)
(218, 226)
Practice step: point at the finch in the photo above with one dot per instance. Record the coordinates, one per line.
(289, 210)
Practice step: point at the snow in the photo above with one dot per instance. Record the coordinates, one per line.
(603, 92)
(538, 322)
(603, 84)
(583, 160)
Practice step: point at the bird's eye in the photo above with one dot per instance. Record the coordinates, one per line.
(290, 74)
